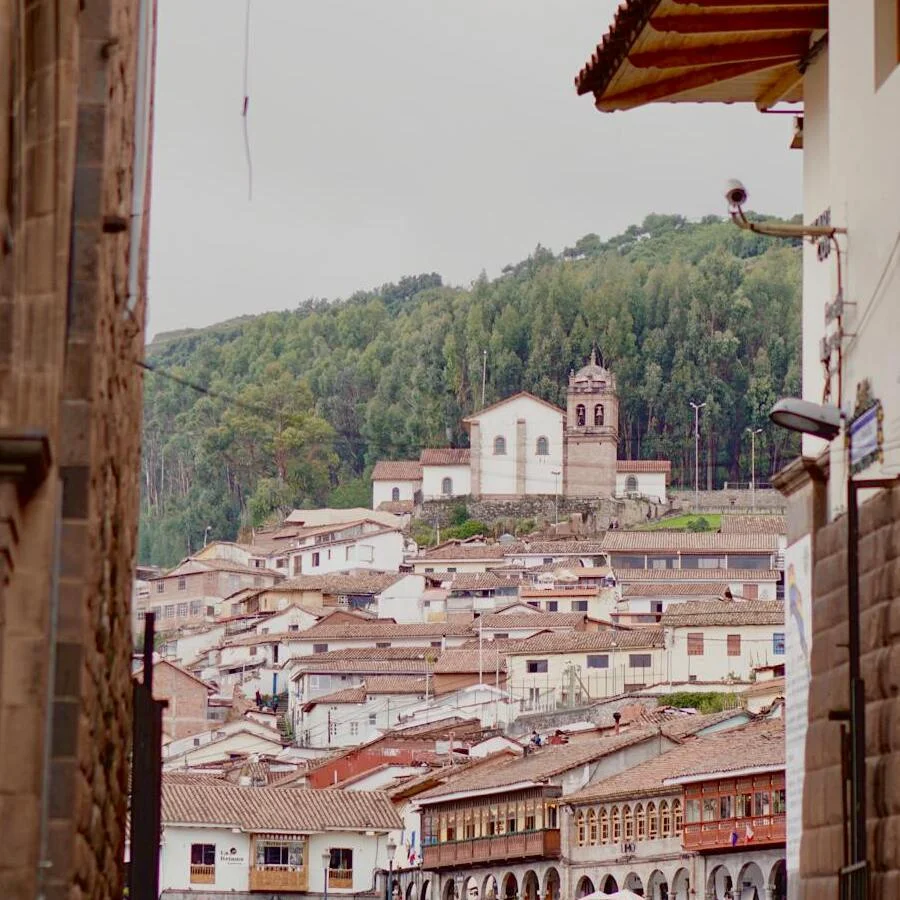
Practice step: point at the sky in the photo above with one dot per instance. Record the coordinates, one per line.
(407, 136)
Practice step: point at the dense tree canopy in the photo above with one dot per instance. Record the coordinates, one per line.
(681, 311)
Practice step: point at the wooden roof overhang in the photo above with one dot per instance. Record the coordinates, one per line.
(704, 51)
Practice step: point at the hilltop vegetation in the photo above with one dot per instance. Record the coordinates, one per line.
(681, 311)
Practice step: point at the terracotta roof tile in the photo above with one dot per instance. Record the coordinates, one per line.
(627, 576)
(341, 582)
(444, 456)
(643, 465)
(683, 589)
(285, 810)
(466, 661)
(723, 612)
(454, 550)
(501, 771)
(381, 629)
(559, 548)
(769, 686)
(756, 744)
(587, 641)
(517, 620)
(397, 470)
(626, 541)
(753, 524)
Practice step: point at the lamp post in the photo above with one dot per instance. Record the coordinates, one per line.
(391, 848)
(326, 865)
(697, 407)
(556, 473)
(753, 433)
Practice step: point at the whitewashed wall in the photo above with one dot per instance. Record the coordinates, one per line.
(433, 476)
(757, 649)
(232, 869)
(649, 484)
(383, 491)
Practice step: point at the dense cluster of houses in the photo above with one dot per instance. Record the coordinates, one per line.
(504, 718)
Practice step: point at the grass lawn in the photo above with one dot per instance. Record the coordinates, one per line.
(680, 523)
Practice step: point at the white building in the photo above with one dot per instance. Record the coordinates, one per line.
(236, 840)
(395, 481)
(445, 473)
(723, 640)
(402, 600)
(366, 544)
(643, 478)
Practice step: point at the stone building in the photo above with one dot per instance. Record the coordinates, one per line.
(75, 111)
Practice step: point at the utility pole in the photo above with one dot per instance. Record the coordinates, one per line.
(483, 376)
(697, 407)
(556, 473)
(753, 433)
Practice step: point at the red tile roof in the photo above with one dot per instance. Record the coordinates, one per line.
(444, 456)
(674, 541)
(643, 465)
(684, 589)
(519, 620)
(627, 576)
(468, 661)
(588, 641)
(397, 470)
(753, 524)
(381, 630)
(723, 612)
(292, 810)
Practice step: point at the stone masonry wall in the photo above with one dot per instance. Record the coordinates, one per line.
(879, 564)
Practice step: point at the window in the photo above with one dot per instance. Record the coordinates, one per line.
(616, 826)
(778, 804)
(743, 805)
(552, 605)
(579, 415)
(535, 666)
(579, 606)
(639, 660)
(196, 607)
(182, 584)
(592, 827)
(598, 661)
(341, 866)
(604, 826)
(320, 648)
(695, 643)
(382, 645)
(203, 863)
(498, 635)
(598, 414)
(196, 742)
(640, 823)
(628, 823)
(734, 644)
(710, 809)
(446, 486)
(281, 562)
(761, 803)
(182, 610)
(702, 562)
(778, 643)
(160, 587)
(663, 821)
(141, 615)
(439, 644)
(451, 568)
(751, 592)
(298, 564)
(542, 447)
(354, 728)
(547, 561)
(677, 818)
(253, 651)
(315, 559)
(372, 718)
(169, 611)
(631, 485)
(725, 807)
(499, 445)
(529, 823)
(294, 626)
(692, 811)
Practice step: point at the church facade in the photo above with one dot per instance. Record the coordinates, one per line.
(524, 446)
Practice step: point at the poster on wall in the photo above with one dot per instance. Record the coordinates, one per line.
(798, 641)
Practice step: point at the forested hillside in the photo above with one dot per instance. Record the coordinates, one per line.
(681, 311)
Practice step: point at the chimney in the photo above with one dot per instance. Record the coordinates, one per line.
(616, 717)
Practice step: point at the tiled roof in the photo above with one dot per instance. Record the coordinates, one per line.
(558, 548)
(218, 565)
(683, 726)
(724, 612)
(536, 619)
(381, 629)
(626, 541)
(454, 550)
(588, 641)
(397, 470)
(753, 524)
(683, 589)
(444, 456)
(478, 581)
(757, 744)
(466, 661)
(643, 465)
(342, 582)
(626, 576)
(285, 810)
(367, 661)
(769, 686)
(501, 771)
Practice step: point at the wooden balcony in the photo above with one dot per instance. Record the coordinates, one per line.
(203, 874)
(340, 879)
(519, 845)
(277, 878)
(717, 835)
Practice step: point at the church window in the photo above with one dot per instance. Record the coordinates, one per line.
(543, 447)
(447, 486)
(499, 446)
(579, 414)
(598, 414)
(395, 494)
(631, 485)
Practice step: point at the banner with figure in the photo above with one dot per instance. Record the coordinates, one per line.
(798, 627)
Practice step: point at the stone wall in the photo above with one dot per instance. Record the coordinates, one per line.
(67, 372)
(879, 566)
(596, 513)
(768, 501)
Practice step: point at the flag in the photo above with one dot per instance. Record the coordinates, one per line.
(734, 838)
(748, 833)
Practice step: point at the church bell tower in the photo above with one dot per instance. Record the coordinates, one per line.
(592, 431)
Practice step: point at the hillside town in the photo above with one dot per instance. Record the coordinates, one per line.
(547, 586)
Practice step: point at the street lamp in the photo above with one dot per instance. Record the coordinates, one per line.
(824, 421)
(753, 433)
(326, 865)
(391, 848)
(697, 407)
(556, 473)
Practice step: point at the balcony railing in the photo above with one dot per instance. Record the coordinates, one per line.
(277, 878)
(340, 878)
(203, 874)
(715, 835)
(518, 845)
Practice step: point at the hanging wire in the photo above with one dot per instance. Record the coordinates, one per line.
(246, 104)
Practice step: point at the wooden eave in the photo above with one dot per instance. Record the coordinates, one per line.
(704, 51)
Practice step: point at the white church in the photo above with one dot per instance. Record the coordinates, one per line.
(524, 446)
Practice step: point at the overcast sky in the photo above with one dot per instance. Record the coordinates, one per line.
(410, 136)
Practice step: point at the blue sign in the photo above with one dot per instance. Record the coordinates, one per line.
(866, 438)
